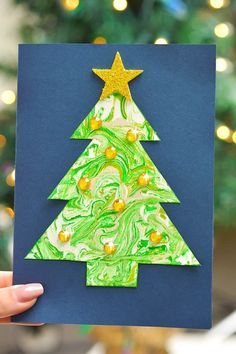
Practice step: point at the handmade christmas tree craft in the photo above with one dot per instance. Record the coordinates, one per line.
(113, 219)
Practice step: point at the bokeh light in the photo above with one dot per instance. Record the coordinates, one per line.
(218, 4)
(223, 65)
(234, 137)
(120, 5)
(70, 5)
(223, 132)
(10, 179)
(8, 97)
(161, 40)
(3, 141)
(10, 212)
(100, 40)
(223, 30)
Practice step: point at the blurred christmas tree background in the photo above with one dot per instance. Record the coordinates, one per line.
(129, 21)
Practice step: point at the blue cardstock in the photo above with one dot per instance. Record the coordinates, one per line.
(176, 93)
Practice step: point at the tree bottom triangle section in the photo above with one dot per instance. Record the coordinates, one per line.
(113, 243)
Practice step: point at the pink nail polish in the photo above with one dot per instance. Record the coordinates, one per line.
(28, 292)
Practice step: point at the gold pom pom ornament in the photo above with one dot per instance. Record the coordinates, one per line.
(144, 179)
(155, 237)
(132, 135)
(109, 248)
(110, 152)
(84, 183)
(119, 205)
(64, 236)
(95, 123)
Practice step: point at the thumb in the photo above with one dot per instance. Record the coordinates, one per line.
(18, 298)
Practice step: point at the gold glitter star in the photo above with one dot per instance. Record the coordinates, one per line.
(117, 78)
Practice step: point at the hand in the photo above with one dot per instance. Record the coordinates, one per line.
(15, 299)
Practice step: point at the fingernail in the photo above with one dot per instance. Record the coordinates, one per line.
(28, 292)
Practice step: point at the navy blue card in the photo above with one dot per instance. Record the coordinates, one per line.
(176, 93)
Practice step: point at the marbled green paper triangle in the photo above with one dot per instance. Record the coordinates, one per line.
(113, 219)
(116, 113)
(131, 161)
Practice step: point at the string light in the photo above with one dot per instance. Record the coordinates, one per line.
(218, 4)
(100, 40)
(223, 132)
(234, 137)
(223, 30)
(10, 179)
(161, 40)
(120, 5)
(223, 65)
(8, 97)
(3, 141)
(70, 5)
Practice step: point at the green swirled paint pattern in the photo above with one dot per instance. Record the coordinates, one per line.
(118, 114)
(89, 215)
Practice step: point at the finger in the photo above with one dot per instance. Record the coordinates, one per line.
(5, 320)
(18, 298)
(5, 279)
(8, 320)
(31, 324)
